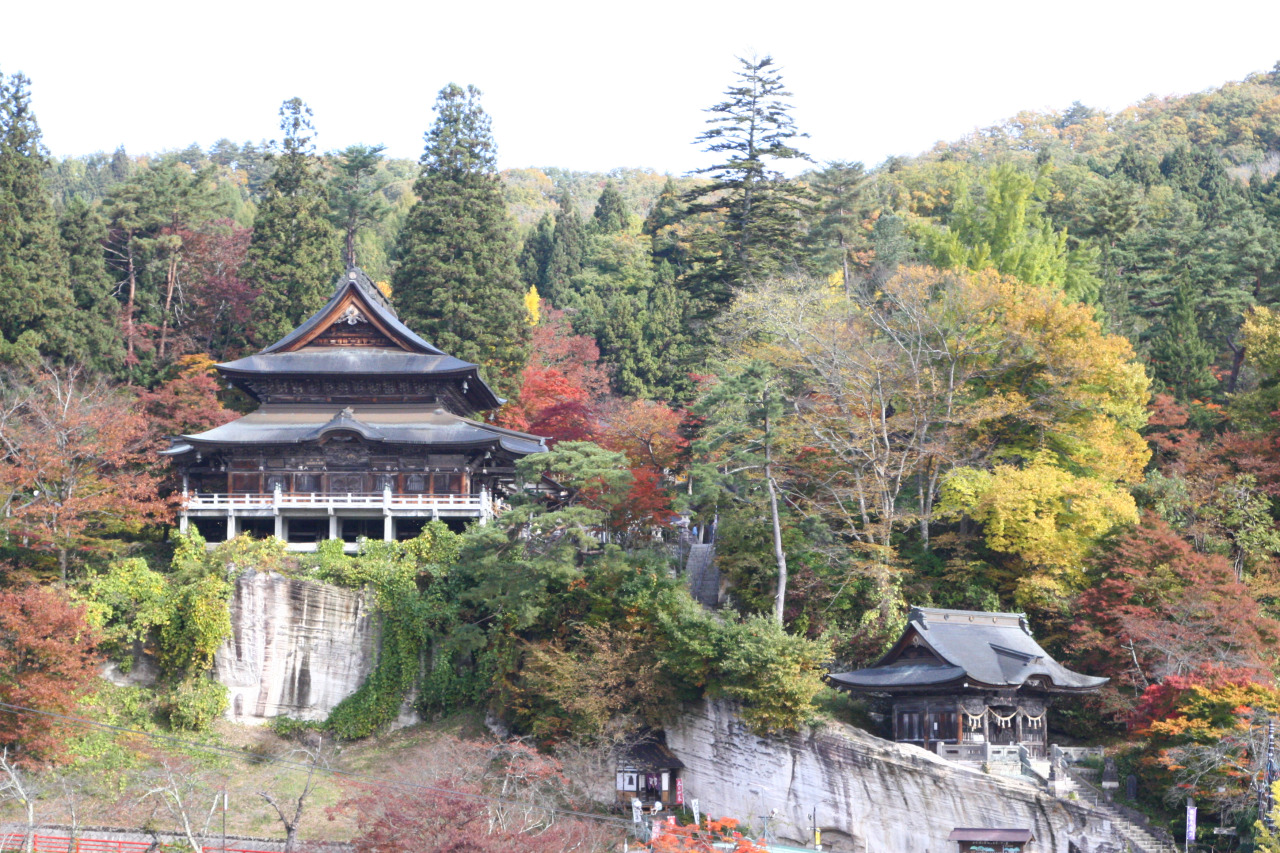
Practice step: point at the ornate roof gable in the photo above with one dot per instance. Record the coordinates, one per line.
(356, 315)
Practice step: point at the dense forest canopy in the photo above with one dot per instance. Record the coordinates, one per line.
(1035, 369)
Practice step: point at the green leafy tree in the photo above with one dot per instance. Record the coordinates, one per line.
(999, 228)
(738, 447)
(457, 282)
(293, 255)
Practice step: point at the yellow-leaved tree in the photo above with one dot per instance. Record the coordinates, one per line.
(1009, 393)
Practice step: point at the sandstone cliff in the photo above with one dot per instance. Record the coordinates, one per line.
(870, 794)
(296, 648)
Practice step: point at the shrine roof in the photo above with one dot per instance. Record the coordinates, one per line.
(983, 649)
(356, 333)
(392, 424)
(377, 305)
(360, 361)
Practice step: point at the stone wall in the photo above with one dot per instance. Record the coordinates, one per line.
(296, 648)
(870, 794)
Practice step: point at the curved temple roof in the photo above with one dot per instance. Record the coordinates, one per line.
(378, 306)
(968, 648)
(413, 425)
(357, 301)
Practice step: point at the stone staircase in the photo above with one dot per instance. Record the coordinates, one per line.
(1133, 830)
(704, 577)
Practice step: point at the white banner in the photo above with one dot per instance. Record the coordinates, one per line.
(1191, 823)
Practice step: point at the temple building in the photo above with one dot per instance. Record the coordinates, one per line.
(363, 429)
(964, 682)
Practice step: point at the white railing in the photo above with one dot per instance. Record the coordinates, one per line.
(988, 752)
(480, 504)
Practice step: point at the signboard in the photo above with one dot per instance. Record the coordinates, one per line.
(679, 792)
(1191, 821)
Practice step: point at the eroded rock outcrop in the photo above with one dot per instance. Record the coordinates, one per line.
(296, 648)
(870, 794)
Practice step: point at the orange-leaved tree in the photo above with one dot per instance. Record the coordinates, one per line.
(48, 659)
(717, 835)
(1206, 736)
(75, 461)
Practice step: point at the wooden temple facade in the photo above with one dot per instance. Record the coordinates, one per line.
(363, 430)
(968, 685)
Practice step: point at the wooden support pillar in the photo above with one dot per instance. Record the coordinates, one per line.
(388, 528)
(279, 526)
(182, 524)
(231, 526)
(334, 533)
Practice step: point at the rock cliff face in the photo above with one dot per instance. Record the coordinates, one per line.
(870, 794)
(296, 648)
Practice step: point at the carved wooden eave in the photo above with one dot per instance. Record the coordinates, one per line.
(350, 320)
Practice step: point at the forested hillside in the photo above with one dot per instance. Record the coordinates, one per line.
(1033, 369)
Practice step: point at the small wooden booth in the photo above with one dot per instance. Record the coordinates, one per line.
(650, 772)
(979, 840)
(968, 685)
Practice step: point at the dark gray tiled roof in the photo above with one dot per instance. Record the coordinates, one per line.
(347, 360)
(903, 675)
(393, 424)
(993, 649)
(355, 278)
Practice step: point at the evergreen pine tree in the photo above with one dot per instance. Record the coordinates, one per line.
(751, 130)
(356, 191)
(836, 232)
(611, 211)
(662, 226)
(294, 254)
(535, 254)
(1180, 358)
(37, 299)
(567, 251)
(457, 283)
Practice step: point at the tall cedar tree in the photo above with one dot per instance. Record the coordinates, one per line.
(567, 250)
(611, 211)
(751, 130)
(293, 256)
(33, 274)
(96, 321)
(457, 283)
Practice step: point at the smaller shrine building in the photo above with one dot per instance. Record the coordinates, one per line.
(962, 682)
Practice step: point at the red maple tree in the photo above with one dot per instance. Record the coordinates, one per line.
(48, 660)
(75, 461)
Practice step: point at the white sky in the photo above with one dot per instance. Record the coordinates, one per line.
(596, 85)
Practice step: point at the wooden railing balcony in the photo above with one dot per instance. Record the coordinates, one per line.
(480, 505)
